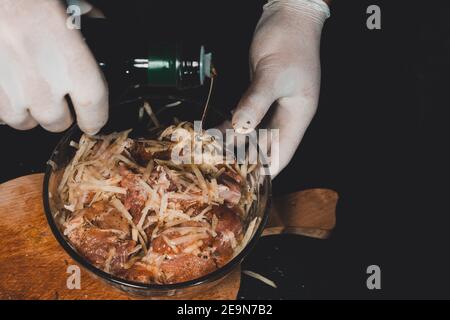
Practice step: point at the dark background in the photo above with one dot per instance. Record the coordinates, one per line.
(379, 138)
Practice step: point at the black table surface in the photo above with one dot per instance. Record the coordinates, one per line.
(378, 138)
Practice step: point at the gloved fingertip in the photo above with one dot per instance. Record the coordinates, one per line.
(90, 130)
(28, 124)
(93, 122)
(243, 121)
(58, 127)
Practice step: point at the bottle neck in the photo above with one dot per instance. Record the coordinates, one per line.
(175, 65)
(171, 65)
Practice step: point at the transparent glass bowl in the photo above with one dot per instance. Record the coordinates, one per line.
(63, 153)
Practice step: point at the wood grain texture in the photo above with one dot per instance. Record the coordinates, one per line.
(34, 266)
(310, 213)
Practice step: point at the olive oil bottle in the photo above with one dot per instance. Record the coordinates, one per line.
(139, 62)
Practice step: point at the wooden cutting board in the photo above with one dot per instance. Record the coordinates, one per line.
(34, 266)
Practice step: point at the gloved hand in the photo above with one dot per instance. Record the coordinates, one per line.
(42, 60)
(285, 72)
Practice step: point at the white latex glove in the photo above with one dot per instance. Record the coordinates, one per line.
(42, 60)
(285, 71)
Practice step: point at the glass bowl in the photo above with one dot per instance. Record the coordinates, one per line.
(128, 115)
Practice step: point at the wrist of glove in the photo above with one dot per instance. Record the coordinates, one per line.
(316, 10)
(285, 74)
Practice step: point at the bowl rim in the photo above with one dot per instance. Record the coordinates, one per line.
(210, 277)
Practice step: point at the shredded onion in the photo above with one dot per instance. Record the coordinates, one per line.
(188, 238)
(176, 202)
(260, 278)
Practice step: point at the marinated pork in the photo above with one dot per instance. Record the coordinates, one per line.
(133, 212)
